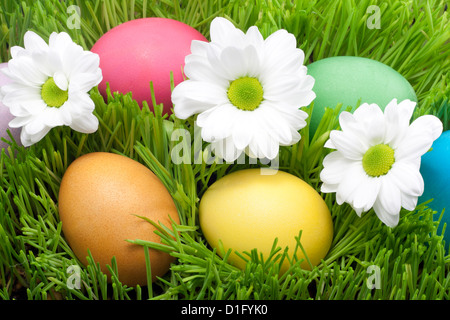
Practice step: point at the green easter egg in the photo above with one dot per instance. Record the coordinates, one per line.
(347, 79)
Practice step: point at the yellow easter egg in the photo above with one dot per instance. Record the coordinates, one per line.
(249, 209)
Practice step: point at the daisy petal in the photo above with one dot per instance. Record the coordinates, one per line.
(84, 81)
(61, 80)
(18, 122)
(397, 117)
(242, 130)
(371, 123)
(252, 61)
(27, 71)
(54, 117)
(86, 124)
(223, 31)
(278, 86)
(33, 42)
(329, 144)
(352, 180)
(276, 46)
(299, 98)
(409, 202)
(349, 123)
(389, 196)
(226, 149)
(255, 38)
(385, 217)
(407, 178)
(28, 139)
(191, 97)
(329, 188)
(17, 51)
(34, 127)
(233, 60)
(419, 137)
(86, 62)
(295, 117)
(217, 122)
(275, 123)
(335, 165)
(349, 145)
(365, 112)
(80, 103)
(199, 48)
(262, 144)
(366, 194)
(200, 69)
(24, 102)
(47, 62)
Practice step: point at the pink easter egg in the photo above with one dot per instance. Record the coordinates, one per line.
(141, 51)
(6, 116)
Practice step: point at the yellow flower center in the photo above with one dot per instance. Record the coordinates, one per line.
(378, 160)
(245, 93)
(52, 95)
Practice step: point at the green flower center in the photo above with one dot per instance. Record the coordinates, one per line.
(378, 160)
(52, 95)
(245, 93)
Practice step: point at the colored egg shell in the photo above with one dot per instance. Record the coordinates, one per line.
(247, 210)
(100, 198)
(139, 51)
(347, 79)
(6, 116)
(435, 170)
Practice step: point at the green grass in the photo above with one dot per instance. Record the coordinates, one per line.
(413, 258)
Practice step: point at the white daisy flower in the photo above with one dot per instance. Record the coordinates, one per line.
(377, 159)
(50, 84)
(246, 90)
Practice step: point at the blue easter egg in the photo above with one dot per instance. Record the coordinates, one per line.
(435, 170)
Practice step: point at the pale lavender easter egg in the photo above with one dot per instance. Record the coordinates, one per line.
(6, 116)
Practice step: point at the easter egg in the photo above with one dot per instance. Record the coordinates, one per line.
(348, 79)
(6, 116)
(435, 170)
(102, 199)
(141, 51)
(248, 210)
